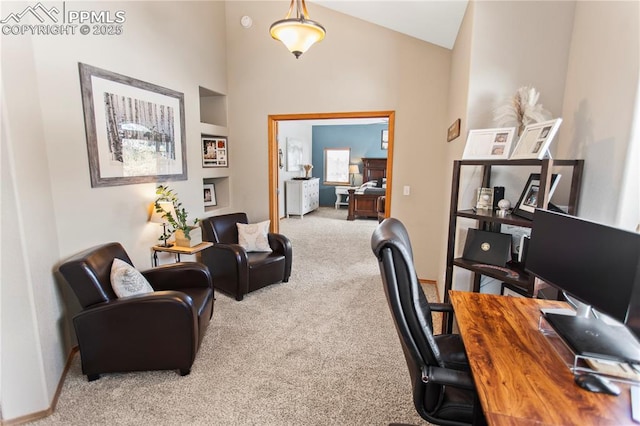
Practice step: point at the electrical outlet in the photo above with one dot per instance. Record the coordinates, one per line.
(406, 190)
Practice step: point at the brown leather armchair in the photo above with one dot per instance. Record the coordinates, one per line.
(155, 331)
(236, 271)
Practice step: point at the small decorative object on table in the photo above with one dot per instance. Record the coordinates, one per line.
(186, 235)
(521, 110)
(307, 170)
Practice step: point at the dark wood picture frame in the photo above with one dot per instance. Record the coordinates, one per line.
(135, 130)
(526, 205)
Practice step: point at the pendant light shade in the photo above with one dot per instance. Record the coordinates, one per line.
(298, 34)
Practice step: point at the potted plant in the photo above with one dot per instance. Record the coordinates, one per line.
(187, 235)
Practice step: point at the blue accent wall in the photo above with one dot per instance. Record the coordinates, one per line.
(363, 139)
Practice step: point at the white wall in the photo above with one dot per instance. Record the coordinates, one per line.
(53, 211)
(501, 47)
(358, 67)
(301, 131)
(599, 108)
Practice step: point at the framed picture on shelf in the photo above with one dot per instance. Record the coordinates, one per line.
(489, 144)
(135, 129)
(528, 201)
(484, 199)
(214, 151)
(209, 195)
(535, 140)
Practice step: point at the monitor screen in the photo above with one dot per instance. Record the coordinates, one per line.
(597, 264)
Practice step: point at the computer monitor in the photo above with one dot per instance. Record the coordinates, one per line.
(597, 264)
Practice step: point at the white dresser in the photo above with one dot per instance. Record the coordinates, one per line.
(303, 196)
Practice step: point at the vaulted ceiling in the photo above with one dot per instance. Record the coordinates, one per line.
(434, 21)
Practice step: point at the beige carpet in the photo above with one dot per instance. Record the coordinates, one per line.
(319, 350)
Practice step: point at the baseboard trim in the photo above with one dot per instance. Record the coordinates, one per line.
(54, 402)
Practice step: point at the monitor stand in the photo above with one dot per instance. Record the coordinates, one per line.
(593, 338)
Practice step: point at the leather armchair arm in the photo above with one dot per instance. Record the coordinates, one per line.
(228, 264)
(447, 377)
(135, 328)
(179, 275)
(281, 244)
(229, 252)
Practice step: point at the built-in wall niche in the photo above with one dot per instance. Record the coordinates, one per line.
(213, 112)
(220, 193)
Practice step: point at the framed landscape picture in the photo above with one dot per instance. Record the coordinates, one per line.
(135, 130)
(214, 151)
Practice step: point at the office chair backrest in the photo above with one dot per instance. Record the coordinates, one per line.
(89, 273)
(223, 229)
(408, 304)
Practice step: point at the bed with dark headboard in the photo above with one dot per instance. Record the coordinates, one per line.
(363, 201)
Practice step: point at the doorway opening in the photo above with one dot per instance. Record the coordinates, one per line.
(275, 192)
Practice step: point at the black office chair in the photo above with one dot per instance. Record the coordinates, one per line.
(443, 389)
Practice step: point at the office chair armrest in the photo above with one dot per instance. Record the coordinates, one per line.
(447, 309)
(441, 307)
(447, 377)
(179, 275)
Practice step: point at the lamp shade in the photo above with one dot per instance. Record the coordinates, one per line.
(157, 217)
(300, 33)
(354, 169)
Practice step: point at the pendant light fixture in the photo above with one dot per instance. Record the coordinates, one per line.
(297, 33)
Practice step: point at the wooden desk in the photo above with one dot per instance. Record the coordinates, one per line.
(520, 378)
(178, 250)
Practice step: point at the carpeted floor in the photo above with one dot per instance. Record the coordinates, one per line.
(318, 350)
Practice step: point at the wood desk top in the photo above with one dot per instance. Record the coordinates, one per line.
(520, 378)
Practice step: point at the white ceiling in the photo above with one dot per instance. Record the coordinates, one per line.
(435, 21)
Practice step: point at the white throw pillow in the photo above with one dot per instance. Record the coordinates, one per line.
(253, 236)
(127, 281)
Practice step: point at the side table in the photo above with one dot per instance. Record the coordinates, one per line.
(178, 250)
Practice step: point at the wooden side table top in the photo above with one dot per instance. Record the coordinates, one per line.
(183, 250)
(519, 376)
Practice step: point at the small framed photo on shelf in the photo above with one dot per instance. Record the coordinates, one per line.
(489, 144)
(535, 140)
(526, 205)
(484, 199)
(209, 195)
(214, 151)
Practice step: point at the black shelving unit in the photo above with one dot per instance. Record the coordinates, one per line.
(488, 219)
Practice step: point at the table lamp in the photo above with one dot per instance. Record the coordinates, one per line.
(353, 171)
(159, 217)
